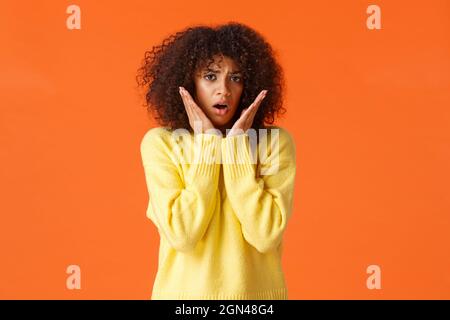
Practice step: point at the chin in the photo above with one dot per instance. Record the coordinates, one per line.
(222, 121)
(218, 125)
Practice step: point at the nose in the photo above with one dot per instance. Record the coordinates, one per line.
(224, 88)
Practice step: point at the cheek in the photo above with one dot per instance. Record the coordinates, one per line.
(199, 94)
(202, 91)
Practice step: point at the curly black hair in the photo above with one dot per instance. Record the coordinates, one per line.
(174, 62)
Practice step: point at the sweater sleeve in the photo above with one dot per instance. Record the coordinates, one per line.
(262, 203)
(180, 207)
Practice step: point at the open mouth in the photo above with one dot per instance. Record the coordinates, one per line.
(220, 106)
(220, 109)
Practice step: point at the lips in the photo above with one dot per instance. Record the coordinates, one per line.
(220, 106)
(220, 109)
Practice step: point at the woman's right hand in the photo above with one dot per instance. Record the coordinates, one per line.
(194, 112)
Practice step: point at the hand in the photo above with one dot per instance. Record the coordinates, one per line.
(194, 112)
(247, 115)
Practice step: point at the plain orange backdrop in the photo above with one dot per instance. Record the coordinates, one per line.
(369, 111)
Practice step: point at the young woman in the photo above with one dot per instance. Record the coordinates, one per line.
(220, 210)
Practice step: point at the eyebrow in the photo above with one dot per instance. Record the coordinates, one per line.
(217, 71)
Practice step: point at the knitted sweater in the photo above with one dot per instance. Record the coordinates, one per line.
(221, 206)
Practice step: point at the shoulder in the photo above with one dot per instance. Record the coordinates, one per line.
(155, 137)
(156, 133)
(164, 141)
(285, 137)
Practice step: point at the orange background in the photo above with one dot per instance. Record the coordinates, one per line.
(369, 111)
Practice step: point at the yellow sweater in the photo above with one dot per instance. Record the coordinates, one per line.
(219, 213)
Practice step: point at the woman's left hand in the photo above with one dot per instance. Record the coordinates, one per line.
(247, 115)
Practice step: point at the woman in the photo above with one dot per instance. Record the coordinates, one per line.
(220, 210)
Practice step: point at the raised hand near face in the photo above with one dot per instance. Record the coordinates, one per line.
(245, 121)
(194, 112)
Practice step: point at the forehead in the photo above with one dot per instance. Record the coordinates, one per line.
(222, 62)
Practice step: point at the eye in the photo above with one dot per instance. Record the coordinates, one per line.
(209, 75)
(239, 79)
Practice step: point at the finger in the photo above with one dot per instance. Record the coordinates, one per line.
(251, 118)
(242, 120)
(190, 100)
(193, 107)
(183, 98)
(260, 96)
(257, 101)
(196, 110)
(253, 114)
(186, 97)
(254, 108)
(187, 106)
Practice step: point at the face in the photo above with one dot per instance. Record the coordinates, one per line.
(220, 83)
